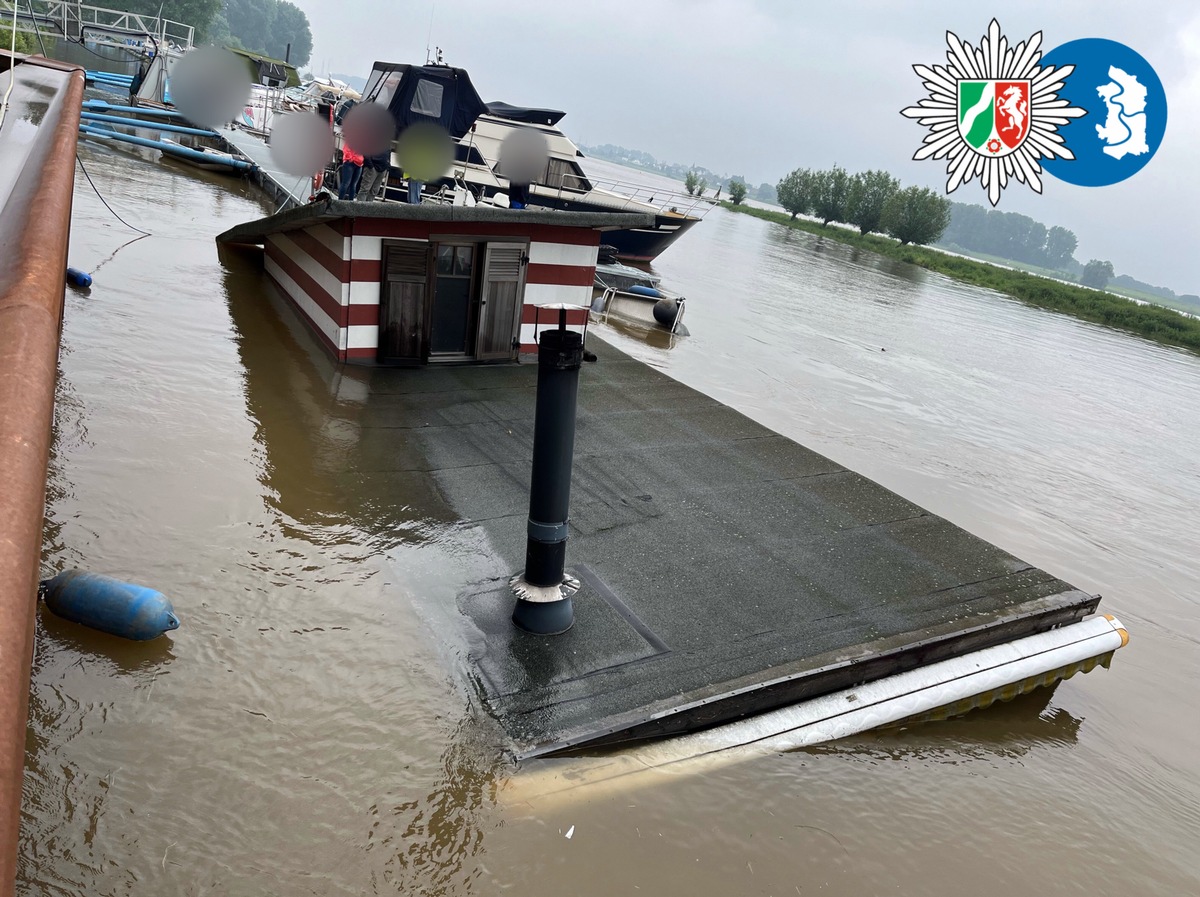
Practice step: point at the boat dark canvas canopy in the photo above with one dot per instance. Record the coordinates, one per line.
(525, 114)
(437, 94)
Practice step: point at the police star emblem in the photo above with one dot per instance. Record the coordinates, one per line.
(993, 112)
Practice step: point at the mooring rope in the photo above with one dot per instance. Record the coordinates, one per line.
(105, 201)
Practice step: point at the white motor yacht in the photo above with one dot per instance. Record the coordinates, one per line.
(410, 92)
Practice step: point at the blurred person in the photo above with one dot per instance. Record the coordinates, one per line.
(351, 172)
(518, 196)
(374, 174)
(414, 189)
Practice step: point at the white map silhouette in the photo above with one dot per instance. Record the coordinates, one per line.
(1125, 129)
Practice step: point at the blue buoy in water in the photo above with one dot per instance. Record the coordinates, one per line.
(101, 602)
(78, 278)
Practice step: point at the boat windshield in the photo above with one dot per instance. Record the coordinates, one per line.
(382, 84)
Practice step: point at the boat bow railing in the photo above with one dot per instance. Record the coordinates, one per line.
(625, 195)
(665, 201)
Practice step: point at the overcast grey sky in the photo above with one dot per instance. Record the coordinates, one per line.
(759, 87)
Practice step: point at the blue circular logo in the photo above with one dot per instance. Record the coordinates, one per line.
(1126, 112)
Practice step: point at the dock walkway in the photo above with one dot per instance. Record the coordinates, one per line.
(726, 570)
(285, 189)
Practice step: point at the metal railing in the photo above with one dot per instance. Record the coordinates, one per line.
(603, 306)
(622, 195)
(34, 230)
(73, 21)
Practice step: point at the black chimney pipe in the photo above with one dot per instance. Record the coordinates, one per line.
(544, 594)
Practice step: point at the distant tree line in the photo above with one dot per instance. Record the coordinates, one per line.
(970, 228)
(1012, 236)
(1019, 238)
(643, 160)
(1129, 283)
(869, 200)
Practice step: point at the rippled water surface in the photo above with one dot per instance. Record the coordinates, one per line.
(305, 731)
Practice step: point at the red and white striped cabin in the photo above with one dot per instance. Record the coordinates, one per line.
(389, 283)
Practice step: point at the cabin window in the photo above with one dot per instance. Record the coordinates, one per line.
(427, 99)
(565, 174)
(468, 154)
(370, 91)
(387, 90)
(450, 332)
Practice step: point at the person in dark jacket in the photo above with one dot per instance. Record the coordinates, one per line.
(375, 174)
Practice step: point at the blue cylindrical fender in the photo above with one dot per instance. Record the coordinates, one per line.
(101, 602)
(78, 278)
(639, 290)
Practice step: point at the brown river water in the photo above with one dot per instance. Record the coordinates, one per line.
(306, 730)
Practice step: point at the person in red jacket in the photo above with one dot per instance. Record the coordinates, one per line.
(351, 173)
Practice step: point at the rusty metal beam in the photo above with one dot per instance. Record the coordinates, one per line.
(37, 142)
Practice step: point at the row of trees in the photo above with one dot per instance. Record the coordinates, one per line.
(265, 26)
(262, 26)
(25, 42)
(873, 201)
(869, 200)
(695, 184)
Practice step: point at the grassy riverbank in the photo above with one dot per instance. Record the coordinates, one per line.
(1151, 321)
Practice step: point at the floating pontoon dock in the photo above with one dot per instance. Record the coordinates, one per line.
(726, 570)
(285, 189)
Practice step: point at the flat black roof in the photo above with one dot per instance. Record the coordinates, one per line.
(726, 569)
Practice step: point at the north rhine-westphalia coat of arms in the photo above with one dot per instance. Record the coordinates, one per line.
(993, 112)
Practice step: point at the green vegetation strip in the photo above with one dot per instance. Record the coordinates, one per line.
(1151, 321)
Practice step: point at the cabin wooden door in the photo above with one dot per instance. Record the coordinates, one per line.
(500, 302)
(402, 304)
